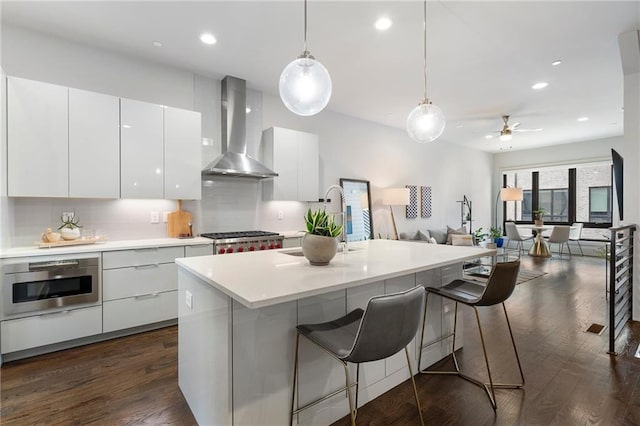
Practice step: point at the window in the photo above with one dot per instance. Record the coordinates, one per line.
(580, 193)
(600, 204)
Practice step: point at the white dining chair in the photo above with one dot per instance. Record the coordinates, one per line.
(514, 235)
(560, 235)
(575, 233)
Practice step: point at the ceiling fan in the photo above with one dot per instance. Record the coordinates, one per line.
(505, 133)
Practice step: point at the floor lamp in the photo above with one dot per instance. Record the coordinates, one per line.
(508, 194)
(395, 197)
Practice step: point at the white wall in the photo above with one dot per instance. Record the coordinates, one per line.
(350, 147)
(387, 157)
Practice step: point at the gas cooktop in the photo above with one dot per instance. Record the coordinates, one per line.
(238, 234)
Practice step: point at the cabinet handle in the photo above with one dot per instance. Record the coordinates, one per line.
(146, 296)
(150, 266)
(54, 313)
(146, 249)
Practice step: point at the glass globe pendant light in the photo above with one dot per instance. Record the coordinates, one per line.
(305, 84)
(425, 122)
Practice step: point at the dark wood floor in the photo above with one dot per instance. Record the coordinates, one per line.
(570, 379)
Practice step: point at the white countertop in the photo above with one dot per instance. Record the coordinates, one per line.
(100, 247)
(265, 278)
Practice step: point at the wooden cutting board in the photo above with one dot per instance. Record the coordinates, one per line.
(178, 222)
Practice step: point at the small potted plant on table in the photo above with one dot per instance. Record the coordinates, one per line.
(320, 243)
(537, 216)
(496, 236)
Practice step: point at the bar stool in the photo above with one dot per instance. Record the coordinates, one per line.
(499, 287)
(386, 326)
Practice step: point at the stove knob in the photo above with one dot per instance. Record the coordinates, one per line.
(272, 246)
(230, 250)
(240, 249)
(222, 251)
(278, 245)
(252, 248)
(263, 247)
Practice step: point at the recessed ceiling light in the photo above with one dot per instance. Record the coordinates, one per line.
(208, 38)
(383, 24)
(248, 109)
(556, 62)
(583, 119)
(488, 137)
(157, 43)
(540, 85)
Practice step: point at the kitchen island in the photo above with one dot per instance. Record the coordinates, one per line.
(237, 316)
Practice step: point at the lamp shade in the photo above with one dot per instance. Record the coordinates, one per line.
(305, 86)
(511, 194)
(395, 197)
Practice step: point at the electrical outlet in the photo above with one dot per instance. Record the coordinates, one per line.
(155, 217)
(280, 215)
(66, 216)
(165, 216)
(188, 300)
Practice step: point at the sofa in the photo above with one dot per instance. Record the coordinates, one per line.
(448, 235)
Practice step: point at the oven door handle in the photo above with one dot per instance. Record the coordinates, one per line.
(44, 266)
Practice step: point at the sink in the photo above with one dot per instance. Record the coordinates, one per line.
(298, 251)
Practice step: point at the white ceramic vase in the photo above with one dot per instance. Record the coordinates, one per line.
(318, 249)
(70, 233)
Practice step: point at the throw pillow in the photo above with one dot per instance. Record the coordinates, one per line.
(450, 231)
(424, 236)
(461, 240)
(439, 234)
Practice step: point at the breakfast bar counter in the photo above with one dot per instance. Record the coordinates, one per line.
(238, 312)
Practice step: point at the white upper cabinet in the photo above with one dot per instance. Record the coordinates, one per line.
(37, 139)
(94, 145)
(182, 154)
(141, 150)
(295, 157)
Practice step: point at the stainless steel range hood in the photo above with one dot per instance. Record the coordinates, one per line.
(234, 160)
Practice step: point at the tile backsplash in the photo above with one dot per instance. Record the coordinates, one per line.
(227, 204)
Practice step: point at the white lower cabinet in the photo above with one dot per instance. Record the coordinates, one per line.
(292, 242)
(139, 310)
(41, 330)
(198, 250)
(139, 287)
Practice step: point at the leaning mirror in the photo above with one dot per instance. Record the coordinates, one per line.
(357, 198)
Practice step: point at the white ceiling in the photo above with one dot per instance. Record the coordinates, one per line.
(483, 57)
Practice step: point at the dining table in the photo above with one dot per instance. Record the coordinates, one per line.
(539, 248)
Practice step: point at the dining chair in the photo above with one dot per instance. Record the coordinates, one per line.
(560, 235)
(497, 290)
(384, 328)
(514, 235)
(575, 233)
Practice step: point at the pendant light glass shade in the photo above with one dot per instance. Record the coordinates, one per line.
(305, 86)
(425, 123)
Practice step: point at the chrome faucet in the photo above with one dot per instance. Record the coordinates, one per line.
(343, 206)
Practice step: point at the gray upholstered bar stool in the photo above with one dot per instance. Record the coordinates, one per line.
(499, 287)
(386, 326)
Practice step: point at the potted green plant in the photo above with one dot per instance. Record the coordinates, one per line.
(70, 228)
(538, 215)
(495, 233)
(479, 235)
(320, 243)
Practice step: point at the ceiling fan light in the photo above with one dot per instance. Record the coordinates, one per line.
(505, 137)
(425, 123)
(305, 86)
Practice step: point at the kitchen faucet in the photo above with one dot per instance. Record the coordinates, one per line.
(343, 206)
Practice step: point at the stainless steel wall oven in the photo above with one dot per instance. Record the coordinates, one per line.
(40, 286)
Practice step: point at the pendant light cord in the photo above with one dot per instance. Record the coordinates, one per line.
(305, 25)
(425, 51)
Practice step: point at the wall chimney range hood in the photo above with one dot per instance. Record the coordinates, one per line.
(234, 160)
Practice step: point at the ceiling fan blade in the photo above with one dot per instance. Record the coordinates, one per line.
(515, 125)
(527, 130)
